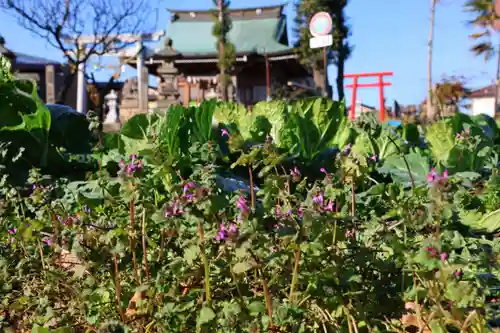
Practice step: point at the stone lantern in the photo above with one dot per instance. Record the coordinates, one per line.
(167, 88)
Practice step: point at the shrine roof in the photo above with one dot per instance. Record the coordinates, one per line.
(191, 35)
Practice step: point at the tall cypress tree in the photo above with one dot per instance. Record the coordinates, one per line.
(225, 49)
(340, 50)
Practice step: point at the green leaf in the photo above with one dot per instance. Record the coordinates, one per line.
(256, 307)
(241, 267)
(395, 166)
(39, 329)
(138, 126)
(206, 315)
(441, 138)
(489, 223)
(191, 254)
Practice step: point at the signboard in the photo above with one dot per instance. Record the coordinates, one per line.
(320, 41)
(320, 24)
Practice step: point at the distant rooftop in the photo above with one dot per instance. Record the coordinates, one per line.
(26, 59)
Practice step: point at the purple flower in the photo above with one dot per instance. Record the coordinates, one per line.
(373, 158)
(86, 209)
(187, 190)
(300, 211)
(444, 256)
(324, 171)
(280, 213)
(233, 228)
(330, 207)
(222, 233)
(12, 231)
(347, 149)
(173, 210)
(133, 166)
(242, 205)
(224, 132)
(318, 199)
(434, 178)
(295, 173)
(432, 251)
(47, 241)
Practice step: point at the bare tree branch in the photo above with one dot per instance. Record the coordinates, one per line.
(63, 23)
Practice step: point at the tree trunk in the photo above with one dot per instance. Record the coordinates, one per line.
(430, 112)
(222, 56)
(497, 82)
(340, 74)
(63, 93)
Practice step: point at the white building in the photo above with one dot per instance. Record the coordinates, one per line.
(483, 101)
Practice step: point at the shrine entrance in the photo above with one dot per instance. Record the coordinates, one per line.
(380, 84)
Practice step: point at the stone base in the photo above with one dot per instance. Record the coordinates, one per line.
(126, 114)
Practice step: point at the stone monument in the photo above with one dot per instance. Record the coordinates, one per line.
(129, 105)
(112, 116)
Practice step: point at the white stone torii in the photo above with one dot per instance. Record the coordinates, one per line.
(139, 39)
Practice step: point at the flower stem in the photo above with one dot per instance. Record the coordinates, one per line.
(118, 288)
(132, 241)
(353, 199)
(144, 247)
(267, 296)
(208, 296)
(295, 271)
(252, 195)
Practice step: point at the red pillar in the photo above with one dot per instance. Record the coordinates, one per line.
(352, 114)
(381, 98)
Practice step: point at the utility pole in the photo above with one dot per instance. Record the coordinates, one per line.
(142, 72)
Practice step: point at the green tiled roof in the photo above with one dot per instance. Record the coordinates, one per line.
(194, 38)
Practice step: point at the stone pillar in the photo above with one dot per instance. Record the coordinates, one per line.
(81, 100)
(50, 78)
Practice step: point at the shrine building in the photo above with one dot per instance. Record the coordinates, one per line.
(186, 62)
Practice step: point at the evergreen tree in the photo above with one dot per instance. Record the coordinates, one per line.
(225, 49)
(340, 50)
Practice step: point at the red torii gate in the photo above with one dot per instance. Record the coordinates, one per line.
(380, 84)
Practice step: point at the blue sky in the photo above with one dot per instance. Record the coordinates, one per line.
(388, 35)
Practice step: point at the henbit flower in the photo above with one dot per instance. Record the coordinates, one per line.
(330, 207)
(374, 158)
(280, 213)
(295, 173)
(242, 205)
(187, 190)
(47, 241)
(12, 231)
(173, 210)
(434, 178)
(444, 256)
(324, 171)
(300, 212)
(224, 132)
(347, 149)
(222, 233)
(319, 199)
(432, 251)
(233, 228)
